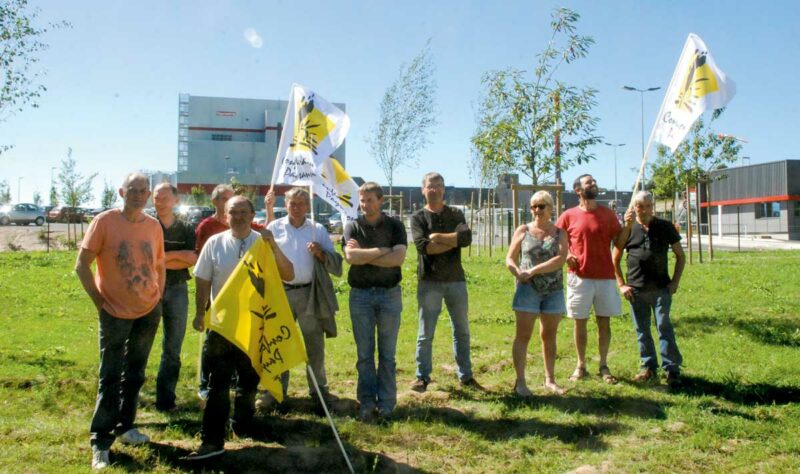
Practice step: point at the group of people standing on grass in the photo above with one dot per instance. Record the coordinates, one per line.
(583, 238)
(143, 262)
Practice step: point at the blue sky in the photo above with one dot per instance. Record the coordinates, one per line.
(113, 79)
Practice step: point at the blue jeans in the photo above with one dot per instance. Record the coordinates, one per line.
(370, 309)
(174, 307)
(429, 298)
(658, 302)
(124, 348)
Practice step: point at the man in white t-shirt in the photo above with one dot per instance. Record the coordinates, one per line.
(217, 261)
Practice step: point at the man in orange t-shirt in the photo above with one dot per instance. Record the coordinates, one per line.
(128, 246)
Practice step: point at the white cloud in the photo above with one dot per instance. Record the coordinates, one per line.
(252, 37)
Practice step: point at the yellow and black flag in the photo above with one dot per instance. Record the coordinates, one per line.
(697, 85)
(252, 312)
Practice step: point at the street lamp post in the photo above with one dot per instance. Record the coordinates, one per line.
(641, 96)
(19, 188)
(617, 145)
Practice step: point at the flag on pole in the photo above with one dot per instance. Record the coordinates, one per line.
(697, 85)
(334, 185)
(313, 129)
(252, 312)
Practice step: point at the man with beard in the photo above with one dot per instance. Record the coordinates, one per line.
(591, 282)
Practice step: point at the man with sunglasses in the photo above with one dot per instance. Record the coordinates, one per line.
(216, 263)
(590, 282)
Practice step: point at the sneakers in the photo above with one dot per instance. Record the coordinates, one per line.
(673, 379)
(133, 437)
(419, 385)
(646, 375)
(205, 451)
(472, 384)
(99, 458)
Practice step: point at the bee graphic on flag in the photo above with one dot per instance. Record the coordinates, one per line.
(698, 82)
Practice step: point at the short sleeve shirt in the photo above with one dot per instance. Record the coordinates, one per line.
(205, 229)
(387, 232)
(446, 266)
(178, 236)
(647, 254)
(293, 242)
(129, 257)
(590, 235)
(219, 258)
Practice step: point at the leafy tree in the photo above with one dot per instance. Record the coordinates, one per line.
(37, 198)
(20, 46)
(407, 114)
(5, 192)
(53, 196)
(108, 197)
(240, 189)
(76, 188)
(702, 151)
(198, 196)
(519, 120)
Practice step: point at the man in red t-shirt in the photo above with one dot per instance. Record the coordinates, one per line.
(590, 282)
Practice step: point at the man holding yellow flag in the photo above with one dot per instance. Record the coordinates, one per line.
(228, 272)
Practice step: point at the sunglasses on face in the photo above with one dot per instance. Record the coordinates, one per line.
(539, 206)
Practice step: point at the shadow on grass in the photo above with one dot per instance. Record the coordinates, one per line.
(774, 332)
(586, 436)
(316, 452)
(740, 392)
(595, 404)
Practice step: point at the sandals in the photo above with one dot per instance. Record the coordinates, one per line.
(579, 374)
(605, 373)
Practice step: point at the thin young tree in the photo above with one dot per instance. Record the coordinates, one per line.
(519, 119)
(76, 189)
(20, 47)
(407, 116)
(37, 198)
(5, 192)
(108, 197)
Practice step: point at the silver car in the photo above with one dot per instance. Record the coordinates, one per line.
(22, 214)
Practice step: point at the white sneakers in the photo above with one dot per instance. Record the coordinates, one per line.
(133, 437)
(99, 458)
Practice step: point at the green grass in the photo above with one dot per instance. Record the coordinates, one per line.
(736, 321)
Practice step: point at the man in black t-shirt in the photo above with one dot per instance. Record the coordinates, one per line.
(649, 287)
(179, 240)
(439, 233)
(375, 247)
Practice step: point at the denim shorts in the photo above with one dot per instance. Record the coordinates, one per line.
(528, 300)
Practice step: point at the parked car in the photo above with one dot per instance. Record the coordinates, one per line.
(195, 214)
(65, 214)
(92, 213)
(260, 217)
(335, 223)
(22, 214)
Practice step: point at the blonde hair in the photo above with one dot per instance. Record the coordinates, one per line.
(542, 197)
